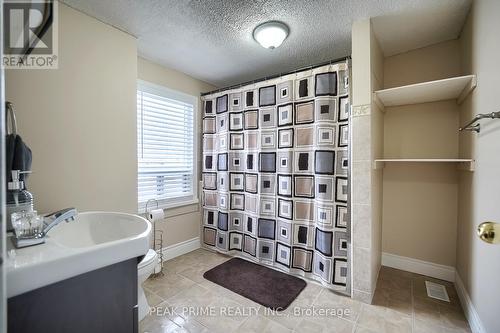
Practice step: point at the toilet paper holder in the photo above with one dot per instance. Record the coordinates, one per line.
(157, 239)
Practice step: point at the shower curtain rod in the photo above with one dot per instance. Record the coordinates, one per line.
(276, 75)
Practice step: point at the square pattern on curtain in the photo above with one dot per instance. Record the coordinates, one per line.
(275, 174)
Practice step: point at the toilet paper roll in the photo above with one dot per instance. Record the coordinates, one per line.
(156, 215)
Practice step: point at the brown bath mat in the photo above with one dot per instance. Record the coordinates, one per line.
(263, 285)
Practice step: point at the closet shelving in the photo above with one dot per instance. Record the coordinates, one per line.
(432, 91)
(462, 163)
(426, 92)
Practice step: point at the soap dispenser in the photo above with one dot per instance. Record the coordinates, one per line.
(18, 199)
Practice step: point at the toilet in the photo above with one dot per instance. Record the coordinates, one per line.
(144, 269)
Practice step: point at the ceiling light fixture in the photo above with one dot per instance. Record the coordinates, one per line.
(271, 34)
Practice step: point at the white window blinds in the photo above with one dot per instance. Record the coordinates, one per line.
(166, 148)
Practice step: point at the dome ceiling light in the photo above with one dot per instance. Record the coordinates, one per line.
(271, 34)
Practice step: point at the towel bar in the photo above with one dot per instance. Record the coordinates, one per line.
(477, 127)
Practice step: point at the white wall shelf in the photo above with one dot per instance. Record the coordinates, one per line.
(453, 88)
(462, 163)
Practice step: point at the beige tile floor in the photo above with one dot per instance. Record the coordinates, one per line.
(400, 305)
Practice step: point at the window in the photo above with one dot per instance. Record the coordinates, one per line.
(166, 146)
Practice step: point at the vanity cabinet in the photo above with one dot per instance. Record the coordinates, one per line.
(99, 301)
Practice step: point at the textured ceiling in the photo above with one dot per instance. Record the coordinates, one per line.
(212, 39)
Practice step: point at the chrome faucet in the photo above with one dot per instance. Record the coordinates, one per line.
(49, 221)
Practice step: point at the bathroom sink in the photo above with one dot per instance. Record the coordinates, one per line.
(90, 229)
(94, 240)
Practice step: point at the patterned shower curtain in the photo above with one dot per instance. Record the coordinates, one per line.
(275, 174)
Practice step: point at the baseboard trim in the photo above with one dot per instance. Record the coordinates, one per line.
(471, 314)
(437, 271)
(362, 296)
(181, 248)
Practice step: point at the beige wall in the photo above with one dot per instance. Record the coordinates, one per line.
(420, 200)
(367, 141)
(420, 211)
(182, 223)
(426, 130)
(80, 120)
(435, 62)
(478, 263)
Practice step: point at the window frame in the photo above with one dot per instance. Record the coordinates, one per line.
(163, 91)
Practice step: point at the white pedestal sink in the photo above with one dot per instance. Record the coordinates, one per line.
(94, 240)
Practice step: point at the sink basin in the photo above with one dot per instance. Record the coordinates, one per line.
(90, 229)
(94, 240)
